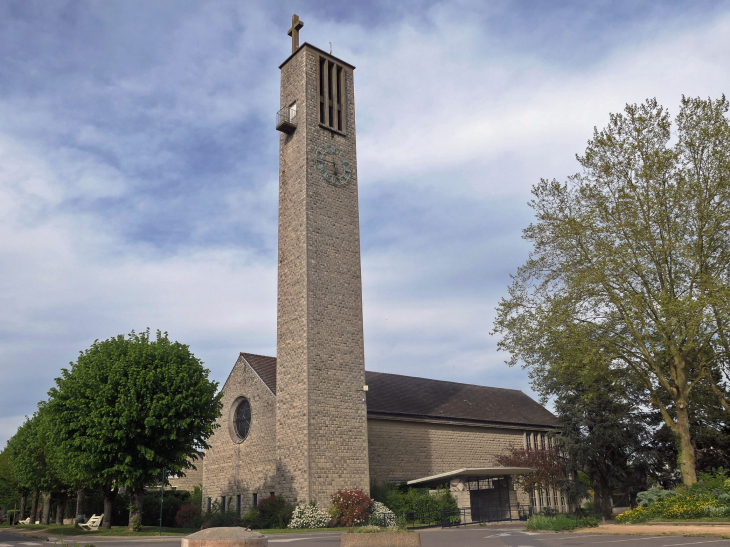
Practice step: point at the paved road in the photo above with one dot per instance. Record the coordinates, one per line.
(455, 537)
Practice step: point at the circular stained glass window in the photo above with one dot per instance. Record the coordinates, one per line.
(242, 419)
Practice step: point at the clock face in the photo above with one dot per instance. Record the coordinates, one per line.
(333, 165)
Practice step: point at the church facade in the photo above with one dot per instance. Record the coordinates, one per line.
(312, 420)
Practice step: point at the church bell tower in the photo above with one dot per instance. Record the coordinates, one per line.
(321, 420)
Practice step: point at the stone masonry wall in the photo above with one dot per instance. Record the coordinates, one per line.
(402, 451)
(321, 417)
(233, 467)
(292, 377)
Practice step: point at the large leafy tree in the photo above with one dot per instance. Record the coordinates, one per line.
(130, 406)
(11, 492)
(634, 252)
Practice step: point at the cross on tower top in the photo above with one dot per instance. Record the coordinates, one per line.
(296, 24)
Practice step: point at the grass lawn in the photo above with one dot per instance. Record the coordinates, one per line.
(70, 530)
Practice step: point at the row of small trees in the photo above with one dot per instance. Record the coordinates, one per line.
(127, 408)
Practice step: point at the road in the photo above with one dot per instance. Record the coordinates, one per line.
(455, 537)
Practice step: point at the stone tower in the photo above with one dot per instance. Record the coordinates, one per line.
(321, 421)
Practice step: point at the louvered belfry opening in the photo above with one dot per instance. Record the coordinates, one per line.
(331, 94)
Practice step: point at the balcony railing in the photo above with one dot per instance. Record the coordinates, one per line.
(286, 120)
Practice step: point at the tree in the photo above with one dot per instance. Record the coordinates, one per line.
(550, 468)
(10, 490)
(634, 254)
(130, 406)
(605, 436)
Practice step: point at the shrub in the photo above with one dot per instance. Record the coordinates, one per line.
(653, 495)
(252, 519)
(350, 507)
(274, 512)
(380, 515)
(187, 515)
(308, 515)
(560, 522)
(709, 483)
(674, 507)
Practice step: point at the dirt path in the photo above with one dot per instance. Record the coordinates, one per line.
(722, 530)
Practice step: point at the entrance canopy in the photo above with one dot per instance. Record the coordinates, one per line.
(473, 472)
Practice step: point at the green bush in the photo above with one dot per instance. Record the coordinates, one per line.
(274, 512)
(560, 522)
(709, 483)
(403, 499)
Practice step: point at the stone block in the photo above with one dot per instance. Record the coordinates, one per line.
(225, 537)
(382, 539)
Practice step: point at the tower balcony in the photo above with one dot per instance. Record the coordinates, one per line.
(286, 119)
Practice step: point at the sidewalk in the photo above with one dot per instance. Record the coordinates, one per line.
(699, 529)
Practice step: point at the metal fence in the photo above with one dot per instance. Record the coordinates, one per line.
(456, 517)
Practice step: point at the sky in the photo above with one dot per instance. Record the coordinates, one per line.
(138, 164)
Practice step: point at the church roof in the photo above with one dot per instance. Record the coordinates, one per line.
(396, 395)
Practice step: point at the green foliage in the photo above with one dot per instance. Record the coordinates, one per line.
(131, 405)
(679, 506)
(712, 483)
(274, 512)
(647, 498)
(137, 524)
(404, 500)
(10, 489)
(630, 262)
(560, 523)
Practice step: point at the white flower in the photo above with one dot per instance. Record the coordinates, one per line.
(308, 515)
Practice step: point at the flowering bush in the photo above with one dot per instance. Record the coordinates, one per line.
(308, 515)
(351, 507)
(675, 507)
(380, 515)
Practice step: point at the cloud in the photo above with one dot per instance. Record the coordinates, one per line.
(138, 165)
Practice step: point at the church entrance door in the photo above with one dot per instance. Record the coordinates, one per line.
(490, 500)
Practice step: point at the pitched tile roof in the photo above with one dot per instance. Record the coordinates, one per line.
(265, 367)
(408, 396)
(397, 395)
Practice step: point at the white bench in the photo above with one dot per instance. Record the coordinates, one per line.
(92, 524)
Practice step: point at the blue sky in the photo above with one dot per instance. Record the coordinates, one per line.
(138, 164)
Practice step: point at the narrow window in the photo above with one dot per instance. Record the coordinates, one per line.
(238, 504)
(542, 441)
(223, 504)
(330, 117)
(562, 498)
(255, 500)
(209, 505)
(529, 441)
(293, 112)
(339, 98)
(555, 497)
(272, 494)
(321, 90)
(533, 499)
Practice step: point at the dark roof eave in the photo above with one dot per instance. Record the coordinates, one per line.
(458, 419)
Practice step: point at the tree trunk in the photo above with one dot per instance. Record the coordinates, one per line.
(686, 457)
(135, 511)
(23, 503)
(605, 501)
(80, 503)
(110, 495)
(46, 508)
(34, 507)
(60, 508)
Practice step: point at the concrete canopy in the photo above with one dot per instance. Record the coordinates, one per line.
(474, 472)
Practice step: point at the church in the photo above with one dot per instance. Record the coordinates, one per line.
(312, 420)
